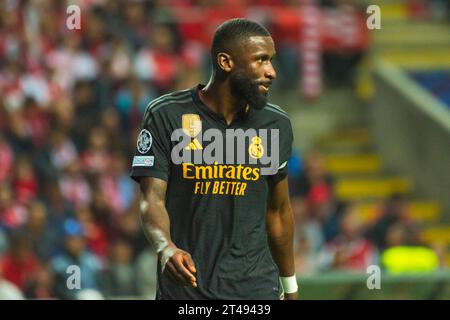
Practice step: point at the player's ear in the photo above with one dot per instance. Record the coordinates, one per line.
(225, 61)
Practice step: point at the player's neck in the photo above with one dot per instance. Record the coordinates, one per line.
(217, 96)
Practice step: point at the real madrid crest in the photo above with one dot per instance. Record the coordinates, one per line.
(192, 125)
(144, 141)
(256, 150)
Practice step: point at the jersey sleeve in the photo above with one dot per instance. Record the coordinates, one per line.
(152, 152)
(285, 150)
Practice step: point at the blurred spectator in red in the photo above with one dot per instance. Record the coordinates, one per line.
(345, 41)
(117, 186)
(12, 213)
(315, 185)
(157, 63)
(41, 286)
(19, 263)
(96, 158)
(62, 150)
(94, 233)
(74, 186)
(103, 214)
(6, 160)
(349, 250)
(8, 290)
(120, 64)
(60, 60)
(12, 93)
(25, 181)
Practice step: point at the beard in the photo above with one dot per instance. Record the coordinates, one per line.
(244, 88)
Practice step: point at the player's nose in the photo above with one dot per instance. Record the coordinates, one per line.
(270, 72)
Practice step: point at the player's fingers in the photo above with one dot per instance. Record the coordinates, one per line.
(180, 263)
(179, 279)
(189, 263)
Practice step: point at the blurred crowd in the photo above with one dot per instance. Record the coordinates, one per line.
(332, 234)
(71, 103)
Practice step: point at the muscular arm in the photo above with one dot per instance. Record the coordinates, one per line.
(176, 264)
(280, 230)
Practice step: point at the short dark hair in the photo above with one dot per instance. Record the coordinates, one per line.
(231, 32)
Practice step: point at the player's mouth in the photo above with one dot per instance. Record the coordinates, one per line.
(264, 86)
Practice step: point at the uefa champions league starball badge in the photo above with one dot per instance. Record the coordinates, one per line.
(144, 141)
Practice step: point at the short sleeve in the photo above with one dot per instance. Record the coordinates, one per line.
(286, 140)
(152, 152)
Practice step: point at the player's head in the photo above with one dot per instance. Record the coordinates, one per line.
(242, 52)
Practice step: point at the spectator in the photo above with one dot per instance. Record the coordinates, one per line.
(43, 240)
(6, 159)
(41, 286)
(350, 250)
(94, 233)
(8, 291)
(401, 256)
(96, 158)
(314, 184)
(86, 113)
(110, 122)
(12, 213)
(117, 186)
(75, 254)
(120, 276)
(19, 263)
(394, 211)
(74, 186)
(25, 181)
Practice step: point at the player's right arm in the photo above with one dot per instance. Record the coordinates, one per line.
(176, 264)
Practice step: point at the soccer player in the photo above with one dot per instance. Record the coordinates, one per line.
(222, 229)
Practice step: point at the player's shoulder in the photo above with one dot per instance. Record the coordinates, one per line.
(275, 111)
(169, 101)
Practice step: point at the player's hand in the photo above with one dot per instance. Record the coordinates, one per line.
(178, 266)
(290, 296)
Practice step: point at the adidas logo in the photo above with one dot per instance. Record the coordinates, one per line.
(194, 145)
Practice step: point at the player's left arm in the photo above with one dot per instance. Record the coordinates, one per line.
(280, 231)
